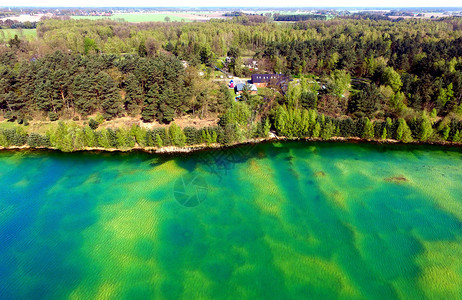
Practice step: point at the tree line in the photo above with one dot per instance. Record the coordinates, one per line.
(423, 57)
(299, 17)
(234, 126)
(288, 122)
(293, 122)
(62, 85)
(353, 77)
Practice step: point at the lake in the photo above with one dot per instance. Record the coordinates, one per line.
(277, 221)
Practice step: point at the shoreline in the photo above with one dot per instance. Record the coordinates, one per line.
(201, 147)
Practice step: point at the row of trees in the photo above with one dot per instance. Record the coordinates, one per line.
(14, 24)
(300, 122)
(299, 17)
(71, 137)
(238, 124)
(313, 46)
(289, 122)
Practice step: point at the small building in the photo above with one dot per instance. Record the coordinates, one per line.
(263, 80)
(240, 87)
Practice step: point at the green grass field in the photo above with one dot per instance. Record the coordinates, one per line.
(6, 34)
(137, 17)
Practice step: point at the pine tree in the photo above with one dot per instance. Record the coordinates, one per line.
(317, 130)
(445, 132)
(149, 140)
(425, 130)
(109, 96)
(384, 133)
(327, 130)
(90, 138)
(177, 136)
(150, 102)
(166, 106)
(79, 138)
(159, 141)
(134, 95)
(139, 134)
(84, 93)
(403, 132)
(122, 141)
(104, 139)
(368, 132)
(281, 120)
(457, 137)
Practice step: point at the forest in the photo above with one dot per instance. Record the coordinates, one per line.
(366, 78)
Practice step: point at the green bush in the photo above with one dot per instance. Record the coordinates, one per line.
(53, 116)
(93, 124)
(37, 140)
(177, 136)
(193, 136)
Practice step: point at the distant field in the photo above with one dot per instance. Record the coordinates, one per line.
(139, 17)
(422, 16)
(160, 17)
(281, 12)
(24, 33)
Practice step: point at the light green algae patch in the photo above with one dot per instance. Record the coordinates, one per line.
(441, 270)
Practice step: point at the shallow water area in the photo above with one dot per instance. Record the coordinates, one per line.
(278, 220)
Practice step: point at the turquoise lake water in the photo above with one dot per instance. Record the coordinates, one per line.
(273, 221)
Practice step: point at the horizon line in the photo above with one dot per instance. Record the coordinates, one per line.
(234, 7)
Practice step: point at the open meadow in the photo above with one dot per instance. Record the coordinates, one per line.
(28, 34)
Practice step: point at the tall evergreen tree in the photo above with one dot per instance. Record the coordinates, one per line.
(134, 95)
(109, 96)
(150, 102)
(84, 93)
